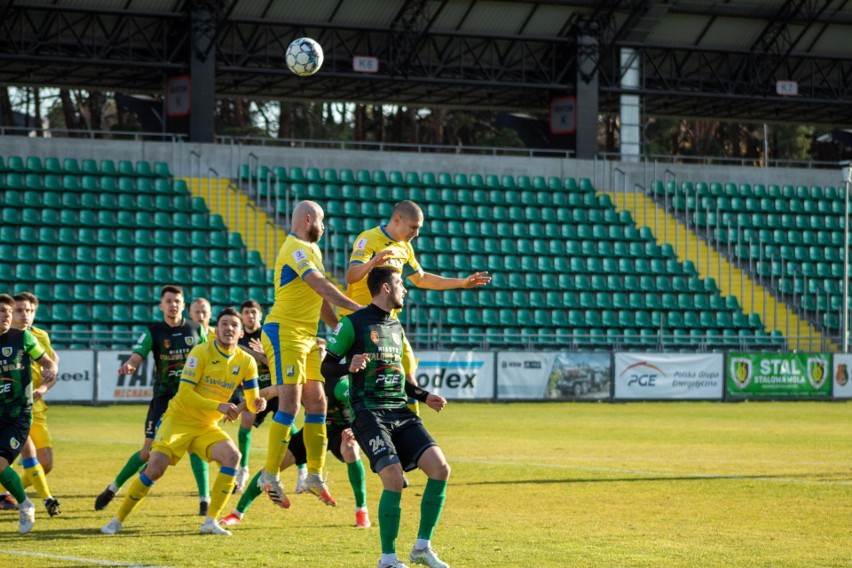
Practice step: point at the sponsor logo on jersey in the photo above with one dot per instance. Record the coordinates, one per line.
(141, 339)
(374, 335)
(361, 244)
(192, 362)
(167, 343)
(299, 255)
(7, 351)
(396, 338)
(235, 370)
(189, 340)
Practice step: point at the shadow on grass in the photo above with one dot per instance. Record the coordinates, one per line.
(654, 478)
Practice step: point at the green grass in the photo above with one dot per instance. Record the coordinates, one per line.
(552, 484)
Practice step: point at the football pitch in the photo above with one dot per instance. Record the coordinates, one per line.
(549, 484)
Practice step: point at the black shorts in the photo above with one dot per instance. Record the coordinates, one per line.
(391, 435)
(13, 436)
(156, 408)
(297, 444)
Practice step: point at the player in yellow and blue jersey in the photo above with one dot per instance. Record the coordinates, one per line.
(212, 373)
(390, 245)
(302, 297)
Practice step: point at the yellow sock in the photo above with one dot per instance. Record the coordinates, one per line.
(279, 439)
(138, 490)
(223, 486)
(316, 441)
(34, 473)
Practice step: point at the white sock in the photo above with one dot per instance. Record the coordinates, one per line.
(113, 488)
(388, 558)
(238, 514)
(205, 500)
(360, 509)
(420, 544)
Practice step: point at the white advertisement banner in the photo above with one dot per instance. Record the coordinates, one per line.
(76, 380)
(662, 376)
(553, 376)
(456, 374)
(841, 386)
(113, 387)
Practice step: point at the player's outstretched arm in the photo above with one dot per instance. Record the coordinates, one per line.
(329, 291)
(327, 315)
(131, 365)
(429, 281)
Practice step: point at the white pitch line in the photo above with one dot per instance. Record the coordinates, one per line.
(84, 561)
(670, 474)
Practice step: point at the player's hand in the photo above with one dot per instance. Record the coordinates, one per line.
(436, 402)
(229, 410)
(126, 369)
(49, 374)
(476, 280)
(358, 363)
(347, 435)
(260, 404)
(256, 345)
(37, 394)
(379, 259)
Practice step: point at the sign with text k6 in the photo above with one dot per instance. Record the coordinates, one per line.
(778, 375)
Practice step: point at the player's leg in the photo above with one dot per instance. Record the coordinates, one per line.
(12, 434)
(252, 490)
(227, 455)
(139, 488)
(247, 421)
(415, 445)
(43, 441)
(348, 453)
(34, 475)
(287, 366)
(316, 440)
(201, 473)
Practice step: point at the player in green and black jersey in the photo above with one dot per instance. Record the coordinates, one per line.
(392, 436)
(341, 443)
(17, 348)
(170, 341)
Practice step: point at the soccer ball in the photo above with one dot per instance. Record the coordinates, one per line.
(304, 56)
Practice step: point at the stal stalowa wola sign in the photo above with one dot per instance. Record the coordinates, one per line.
(778, 375)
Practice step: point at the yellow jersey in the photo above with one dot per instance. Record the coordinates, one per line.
(297, 306)
(366, 246)
(35, 367)
(210, 376)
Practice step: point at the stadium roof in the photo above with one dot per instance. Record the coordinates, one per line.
(720, 59)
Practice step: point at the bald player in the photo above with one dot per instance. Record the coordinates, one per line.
(302, 297)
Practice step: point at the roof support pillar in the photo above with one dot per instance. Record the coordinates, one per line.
(202, 71)
(587, 97)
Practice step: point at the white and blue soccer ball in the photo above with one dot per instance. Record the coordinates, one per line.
(304, 56)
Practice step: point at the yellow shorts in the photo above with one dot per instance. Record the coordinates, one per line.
(39, 432)
(175, 437)
(409, 361)
(293, 359)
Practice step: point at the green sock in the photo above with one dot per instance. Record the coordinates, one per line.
(12, 482)
(250, 493)
(200, 470)
(431, 506)
(244, 440)
(389, 513)
(130, 469)
(358, 481)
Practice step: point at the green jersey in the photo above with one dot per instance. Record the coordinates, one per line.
(170, 346)
(17, 349)
(337, 393)
(372, 331)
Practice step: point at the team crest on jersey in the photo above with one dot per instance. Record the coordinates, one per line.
(299, 255)
(361, 244)
(7, 351)
(290, 371)
(374, 335)
(189, 340)
(192, 362)
(167, 343)
(14, 443)
(396, 338)
(235, 370)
